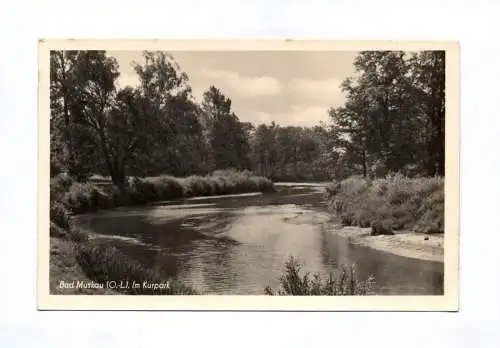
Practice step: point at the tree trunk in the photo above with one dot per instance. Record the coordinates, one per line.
(116, 171)
(364, 164)
(295, 162)
(118, 178)
(437, 119)
(72, 168)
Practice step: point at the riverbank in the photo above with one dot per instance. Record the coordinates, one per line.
(87, 267)
(74, 258)
(393, 203)
(407, 244)
(403, 243)
(63, 267)
(79, 198)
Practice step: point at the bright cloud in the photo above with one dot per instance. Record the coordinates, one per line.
(325, 91)
(125, 80)
(258, 86)
(259, 117)
(297, 115)
(305, 116)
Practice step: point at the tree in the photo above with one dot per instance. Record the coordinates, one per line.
(393, 118)
(227, 135)
(71, 146)
(429, 71)
(96, 107)
(176, 143)
(291, 153)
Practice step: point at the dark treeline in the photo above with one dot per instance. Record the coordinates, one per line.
(392, 121)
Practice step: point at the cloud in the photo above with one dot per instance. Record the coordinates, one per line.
(297, 115)
(324, 91)
(258, 86)
(125, 80)
(259, 117)
(306, 116)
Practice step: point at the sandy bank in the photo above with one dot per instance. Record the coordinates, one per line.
(407, 244)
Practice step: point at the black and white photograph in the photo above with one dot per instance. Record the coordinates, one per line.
(281, 169)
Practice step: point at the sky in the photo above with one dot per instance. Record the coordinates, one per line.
(291, 88)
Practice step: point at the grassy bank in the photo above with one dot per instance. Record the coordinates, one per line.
(76, 258)
(80, 198)
(390, 204)
(63, 266)
(102, 263)
(89, 265)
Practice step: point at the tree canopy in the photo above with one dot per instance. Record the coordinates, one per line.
(393, 120)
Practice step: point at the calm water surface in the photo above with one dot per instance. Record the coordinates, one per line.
(239, 244)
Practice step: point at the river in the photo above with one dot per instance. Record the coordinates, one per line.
(236, 245)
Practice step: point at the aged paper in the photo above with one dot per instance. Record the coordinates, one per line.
(229, 268)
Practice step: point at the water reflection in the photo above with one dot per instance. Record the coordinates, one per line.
(238, 244)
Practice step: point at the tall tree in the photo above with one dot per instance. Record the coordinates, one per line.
(228, 136)
(94, 106)
(71, 145)
(393, 116)
(429, 72)
(176, 141)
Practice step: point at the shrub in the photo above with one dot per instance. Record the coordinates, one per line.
(343, 282)
(59, 185)
(57, 231)
(197, 186)
(55, 167)
(431, 213)
(79, 197)
(143, 191)
(168, 187)
(106, 199)
(77, 235)
(397, 201)
(59, 215)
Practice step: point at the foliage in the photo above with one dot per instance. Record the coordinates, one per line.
(79, 198)
(59, 215)
(227, 136)
(344, 282)
(292, 153)
(396, 201)
(392, 121)
(393, 118)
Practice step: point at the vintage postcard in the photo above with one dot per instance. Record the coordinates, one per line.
(248, 175)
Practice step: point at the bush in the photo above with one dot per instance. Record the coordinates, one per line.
(59, 185)
(59, 215)
(168, 187)
(344, 282)
(143, 191)
(79, 197)
(55, 167)
(57, 231)
(431, 213)
(77, 235)
(103, 263)
(396, 201)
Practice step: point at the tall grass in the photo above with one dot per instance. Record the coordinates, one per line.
(395, 202)
(102, 263)
(344, 282)
(79, 198)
